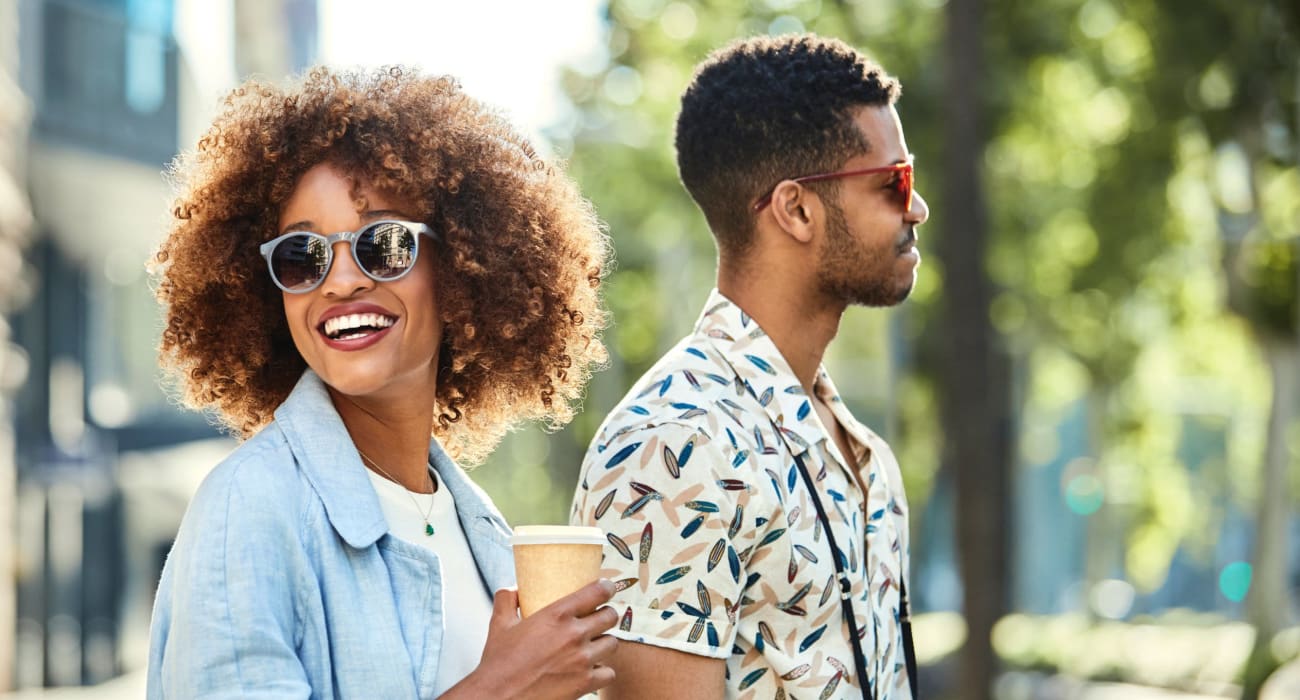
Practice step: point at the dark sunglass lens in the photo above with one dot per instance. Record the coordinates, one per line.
(300, 261)
(902, 184)
(386, 250)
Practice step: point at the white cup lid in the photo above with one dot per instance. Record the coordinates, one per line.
(557, 534)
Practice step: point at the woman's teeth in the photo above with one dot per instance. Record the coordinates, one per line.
(356, 325)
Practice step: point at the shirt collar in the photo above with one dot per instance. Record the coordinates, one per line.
(327, 457)
(331, 463)
(766, 375)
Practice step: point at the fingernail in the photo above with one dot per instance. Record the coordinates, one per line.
(608, 585)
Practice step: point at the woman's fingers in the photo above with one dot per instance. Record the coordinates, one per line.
(585, 599)
(505, 608)
(600, 621)
(566, 648)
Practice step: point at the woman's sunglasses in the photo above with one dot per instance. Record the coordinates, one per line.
(385, 251)
(902, 184)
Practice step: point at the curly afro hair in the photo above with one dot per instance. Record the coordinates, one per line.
(764, 109)
(520, 257)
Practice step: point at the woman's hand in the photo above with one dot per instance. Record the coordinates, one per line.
(554, 653)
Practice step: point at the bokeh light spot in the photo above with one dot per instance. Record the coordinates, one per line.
(678, 21)
(1234, 581)
(1097, 18)
(1113, 598)
(1084, 494)
(1215, 88)
(785, 24)
(623, 85)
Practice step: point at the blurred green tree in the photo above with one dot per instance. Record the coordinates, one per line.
(1239, 67)
(1079, 149)
(1133, 129)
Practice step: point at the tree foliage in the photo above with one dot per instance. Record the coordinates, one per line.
(1143, 199)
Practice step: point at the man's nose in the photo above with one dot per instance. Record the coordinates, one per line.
(920, 210)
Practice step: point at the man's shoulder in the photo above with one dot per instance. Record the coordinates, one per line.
(681, 394)
(690, 403)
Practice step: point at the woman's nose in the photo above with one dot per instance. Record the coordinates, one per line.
(345, 278)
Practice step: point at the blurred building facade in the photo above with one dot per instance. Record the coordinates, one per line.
(15, 220)
(104, 461)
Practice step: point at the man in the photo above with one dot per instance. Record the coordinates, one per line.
(709, 478)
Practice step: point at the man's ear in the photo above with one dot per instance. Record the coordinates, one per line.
(795, 209)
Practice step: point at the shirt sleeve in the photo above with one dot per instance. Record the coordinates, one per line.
(677, 535)
(224, 619)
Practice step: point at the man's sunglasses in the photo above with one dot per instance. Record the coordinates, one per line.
(902, 184)
(384, 250)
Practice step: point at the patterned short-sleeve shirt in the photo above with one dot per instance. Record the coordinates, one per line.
(713, 541)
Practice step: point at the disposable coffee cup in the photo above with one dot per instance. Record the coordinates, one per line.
(552, 561)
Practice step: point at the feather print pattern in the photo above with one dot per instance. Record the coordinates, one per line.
(701, 453)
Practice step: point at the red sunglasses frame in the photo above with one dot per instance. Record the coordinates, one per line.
(906, 181)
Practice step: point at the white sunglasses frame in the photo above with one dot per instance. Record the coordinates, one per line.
(267, 248)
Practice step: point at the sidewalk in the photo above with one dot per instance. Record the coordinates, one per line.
(1022, 685)
(1284, 685)
(127, 687)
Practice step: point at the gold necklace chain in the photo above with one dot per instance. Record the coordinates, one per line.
(428, 525)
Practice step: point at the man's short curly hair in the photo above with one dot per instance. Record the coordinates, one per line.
(520, 254)
(764, 109)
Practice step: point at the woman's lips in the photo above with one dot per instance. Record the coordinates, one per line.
(351, 344)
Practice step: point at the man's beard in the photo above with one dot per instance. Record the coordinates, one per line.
(851, 273)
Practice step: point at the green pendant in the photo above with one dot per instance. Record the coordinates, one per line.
(428, 529)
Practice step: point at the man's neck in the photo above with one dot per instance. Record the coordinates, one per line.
(800, 323)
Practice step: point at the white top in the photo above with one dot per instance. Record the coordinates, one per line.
(466, 604)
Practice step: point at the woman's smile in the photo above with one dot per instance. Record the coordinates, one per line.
(355, 326)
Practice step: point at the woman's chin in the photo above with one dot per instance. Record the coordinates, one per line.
(356, 381)
(361, 380)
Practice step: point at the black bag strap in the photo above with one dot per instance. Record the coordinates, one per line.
(846, 606)
(909, 649)
(846, 587)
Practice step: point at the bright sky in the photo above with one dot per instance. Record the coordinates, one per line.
(505, 52)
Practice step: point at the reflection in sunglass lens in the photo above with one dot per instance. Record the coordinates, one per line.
(386, 250)
(300, 261)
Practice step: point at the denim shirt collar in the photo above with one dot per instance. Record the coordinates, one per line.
(333, 467)
(330, 462)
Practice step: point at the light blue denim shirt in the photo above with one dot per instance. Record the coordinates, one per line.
(284, 582)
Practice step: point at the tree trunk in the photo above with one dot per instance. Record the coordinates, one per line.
(1268, 607)
(974, 371)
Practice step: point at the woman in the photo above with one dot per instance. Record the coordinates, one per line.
(357, 263)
